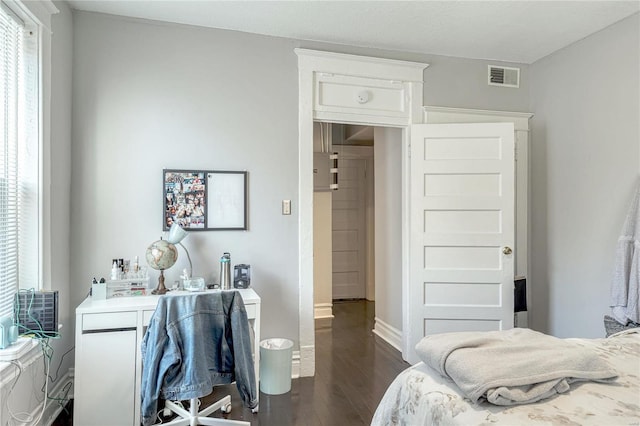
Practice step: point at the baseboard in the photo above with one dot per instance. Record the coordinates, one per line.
(62, 392)
(307, 361)
(295, 365)
(54, 408)
(389, 334)
(323, 310)
(521, 319)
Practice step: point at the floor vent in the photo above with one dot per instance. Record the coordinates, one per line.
(504, 76)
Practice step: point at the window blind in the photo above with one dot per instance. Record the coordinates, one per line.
(12, 89)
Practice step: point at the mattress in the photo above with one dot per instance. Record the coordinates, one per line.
(421, 396)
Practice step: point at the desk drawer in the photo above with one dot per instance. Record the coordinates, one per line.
(146, 317)
(109, 321)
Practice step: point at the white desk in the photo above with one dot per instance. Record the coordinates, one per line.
(108, 359)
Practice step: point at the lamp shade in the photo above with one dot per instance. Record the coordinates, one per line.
(176, 234)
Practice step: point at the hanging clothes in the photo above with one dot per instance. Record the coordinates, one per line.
(625, 286)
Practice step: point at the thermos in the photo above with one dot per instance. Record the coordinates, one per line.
(225, 271)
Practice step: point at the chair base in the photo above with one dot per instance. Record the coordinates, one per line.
(193, 417)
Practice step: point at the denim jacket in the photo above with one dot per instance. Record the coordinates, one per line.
(194, 342)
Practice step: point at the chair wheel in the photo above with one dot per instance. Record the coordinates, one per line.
(226, 408)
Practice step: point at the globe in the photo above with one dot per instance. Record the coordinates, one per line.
(161, 255)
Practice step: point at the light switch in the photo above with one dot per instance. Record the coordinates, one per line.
(286, 206)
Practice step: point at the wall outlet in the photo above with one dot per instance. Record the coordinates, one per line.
(286, 207)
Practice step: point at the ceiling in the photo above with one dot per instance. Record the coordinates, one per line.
(515, 31)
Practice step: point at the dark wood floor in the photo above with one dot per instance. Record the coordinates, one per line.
(353, 369)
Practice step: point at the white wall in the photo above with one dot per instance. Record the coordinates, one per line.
(148, 96)
(370, 275)
(388, 225)
(322, 255)
(585, 154)
(322, 237)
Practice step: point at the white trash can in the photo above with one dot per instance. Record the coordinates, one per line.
(275, 366)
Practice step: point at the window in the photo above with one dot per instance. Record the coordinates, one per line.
(19, 155)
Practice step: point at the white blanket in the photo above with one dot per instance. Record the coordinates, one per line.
(511, 367)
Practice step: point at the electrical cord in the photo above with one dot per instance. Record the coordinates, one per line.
(18, 365)
(24, 418)
(161, 416)
(65, 391)
(53, 380)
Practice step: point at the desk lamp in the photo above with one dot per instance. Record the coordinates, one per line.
(177, 234)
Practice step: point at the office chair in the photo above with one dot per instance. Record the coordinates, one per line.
(194, 417)
(194, 342)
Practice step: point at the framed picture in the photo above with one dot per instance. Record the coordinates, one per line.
(205, 200)
(185, 199)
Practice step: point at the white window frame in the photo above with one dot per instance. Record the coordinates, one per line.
(36, 16)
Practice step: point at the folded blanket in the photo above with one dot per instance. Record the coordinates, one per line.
(511, 367)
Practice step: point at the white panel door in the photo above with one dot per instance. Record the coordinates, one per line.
(462, 229)
(349, 231)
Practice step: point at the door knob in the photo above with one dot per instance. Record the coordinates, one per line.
(507, 250)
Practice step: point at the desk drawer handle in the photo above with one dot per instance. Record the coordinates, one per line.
(108, 330)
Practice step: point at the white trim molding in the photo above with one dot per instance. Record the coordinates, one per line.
(295, 365)
(323, 310)
(306, 361)
(363, 66)
(60, 395)
(357, 102)
(389, 334)
(40, 12)
(438, 114)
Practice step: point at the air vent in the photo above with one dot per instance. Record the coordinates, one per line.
(504, 76)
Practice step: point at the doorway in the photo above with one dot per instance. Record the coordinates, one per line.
(465, 168)
(358, 227)
(343, 216)
(354, 90)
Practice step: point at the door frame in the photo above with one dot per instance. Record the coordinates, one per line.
(312, 64)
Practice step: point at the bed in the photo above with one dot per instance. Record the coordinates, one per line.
(422, 396)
